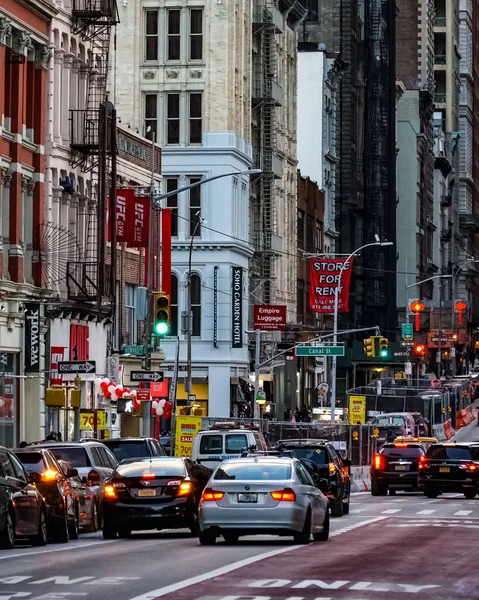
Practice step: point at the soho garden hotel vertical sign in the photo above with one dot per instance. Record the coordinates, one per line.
(237, 308)
(32, 338)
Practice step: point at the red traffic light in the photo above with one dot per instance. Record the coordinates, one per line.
(419, 349)
(454, 337)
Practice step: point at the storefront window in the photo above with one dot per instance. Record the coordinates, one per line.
(8, 399)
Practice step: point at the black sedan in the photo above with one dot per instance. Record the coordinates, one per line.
(152, 493)
(53, 483)
(396, 467)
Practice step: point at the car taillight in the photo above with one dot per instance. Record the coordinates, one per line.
(332, 468)
(49, 475)
(378, 462)
(400, 445)
(186, 488)
(468, 467)
(286, 495)
(422, 458)
(93, 478)
(210, 494)
(148, 475)
(109, 491)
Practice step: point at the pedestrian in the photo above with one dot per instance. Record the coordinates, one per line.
(390, 437)
(22, 444)
(51, 437)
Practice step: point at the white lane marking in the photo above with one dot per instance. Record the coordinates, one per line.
(462, 513)
(391, 511)
(174, 587)
(68, 548)
(426, 512)
(356, 510)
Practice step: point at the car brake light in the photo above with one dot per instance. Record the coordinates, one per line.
(378, 462)
(400, 445)
(209, 495)
(422, 458)
(332, 468)
(109, 491)
(93, 478)
(186, 488)
(148, 475)
(468, 467)
(49, 475)
(286, 495)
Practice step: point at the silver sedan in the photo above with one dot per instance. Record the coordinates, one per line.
(262, 495)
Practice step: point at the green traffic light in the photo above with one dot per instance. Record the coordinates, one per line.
(384, 353)
(161, 328)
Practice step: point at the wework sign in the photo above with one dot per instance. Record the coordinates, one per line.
(237, 308)
(32, 337)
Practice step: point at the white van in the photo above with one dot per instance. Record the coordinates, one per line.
(221, 442)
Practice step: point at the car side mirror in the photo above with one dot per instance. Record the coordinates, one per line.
(323, 485)
(346, 462)
(35, 478)
(72, 472)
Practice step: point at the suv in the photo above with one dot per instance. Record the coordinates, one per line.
(93, 461)
(396, 467)
(320, 458)
(393, 424)
(450, 468)
(131, 448)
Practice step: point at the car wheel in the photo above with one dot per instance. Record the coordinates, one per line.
(324, 535)
(109, 532)
(470, 494)
(346, 505)
(124, 532)
(61, 531)
(337, 508)
(431, 493)
(7, 536)
(207, 537)
(304, 537)
(74, 525)
(95, 524)
(231, 538)
(41, 538)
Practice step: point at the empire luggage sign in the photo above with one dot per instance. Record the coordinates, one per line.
(325, 275)
(269, 317)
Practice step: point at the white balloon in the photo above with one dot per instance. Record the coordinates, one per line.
(154, 405)
(105, 380)
(98, 380)
(133, 393)
(111, 388)
(1, 402)
(114, 397)
(159, 411)
(162, 402)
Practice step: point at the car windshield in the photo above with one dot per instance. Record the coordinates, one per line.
(164, 467)
(398, 452)
(128, 449)
(76, 457)
(316, 455)
(382, 421)
(253, 472)
(453, 453)
(32, 461)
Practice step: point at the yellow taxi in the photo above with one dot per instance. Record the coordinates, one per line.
(426, 441)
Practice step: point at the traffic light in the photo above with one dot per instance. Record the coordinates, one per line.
(419, 350)
(383, 347)
(369, 347)
(454, 337)
(161, 313)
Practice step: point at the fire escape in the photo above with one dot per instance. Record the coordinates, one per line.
(267, 95)
(92, 146)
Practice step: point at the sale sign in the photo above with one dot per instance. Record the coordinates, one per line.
(328, 276)
(186, 429)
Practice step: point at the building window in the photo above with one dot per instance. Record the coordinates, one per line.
(174, 306)
(173, 35)
(300, 299)
(194, 212)
(173, 119)
(195, 119)
(301, 229)
(195, 283)
(151, 116)
(172, 202)
(130, 320)
(196, 34)
(318, 238)
(151, 42)
(309, 234)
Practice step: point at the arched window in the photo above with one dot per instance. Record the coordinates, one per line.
(174, 306)
(196, 303)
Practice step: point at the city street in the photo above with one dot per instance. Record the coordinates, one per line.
(392, 547)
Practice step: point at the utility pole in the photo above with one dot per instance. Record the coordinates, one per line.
(189, 316)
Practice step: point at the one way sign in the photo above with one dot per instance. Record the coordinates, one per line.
(77, 366)
(146, 376)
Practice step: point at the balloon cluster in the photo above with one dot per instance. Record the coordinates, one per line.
(162, 408)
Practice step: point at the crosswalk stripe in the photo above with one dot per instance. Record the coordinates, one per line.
(426, 512)
(462, 513)
(391, 511)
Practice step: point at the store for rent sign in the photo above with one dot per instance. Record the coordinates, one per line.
(327, 275)
(269, 318)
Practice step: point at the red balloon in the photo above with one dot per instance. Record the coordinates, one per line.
(167, 414)
(107, 395)
(136, 404)
(119, 392)
(104, 387)
(126, 390)
(168, 406)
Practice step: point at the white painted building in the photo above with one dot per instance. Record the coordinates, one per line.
(185, 74)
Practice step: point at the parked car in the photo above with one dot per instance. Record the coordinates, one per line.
(23, 512)
(93, 461)
(404, 420)
(396, 467)
(53, 483)
(152, 493)
(88, 511)
(450, 468)
(224, 441)
(263, 495)
(132, 448)
(321, 458)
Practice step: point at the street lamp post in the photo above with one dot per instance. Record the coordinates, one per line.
(335, 322)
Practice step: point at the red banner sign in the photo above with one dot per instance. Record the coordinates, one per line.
(132, 219)
(325, 275)
(269, 318)
(124, 199)
(140, 223)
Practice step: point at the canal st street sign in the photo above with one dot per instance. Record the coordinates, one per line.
(320, 351)
(77, 366)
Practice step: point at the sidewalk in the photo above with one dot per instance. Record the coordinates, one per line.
(469, 433)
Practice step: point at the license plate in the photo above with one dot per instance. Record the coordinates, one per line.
(444, 469)
(401, 468)
(247, 497)
(147, 493)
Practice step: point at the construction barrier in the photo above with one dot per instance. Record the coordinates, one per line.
(360, 479)
(448, 430)
(438, 432)
(464, 417)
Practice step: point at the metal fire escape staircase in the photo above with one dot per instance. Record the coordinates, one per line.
(91, 147)
(267, 95)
